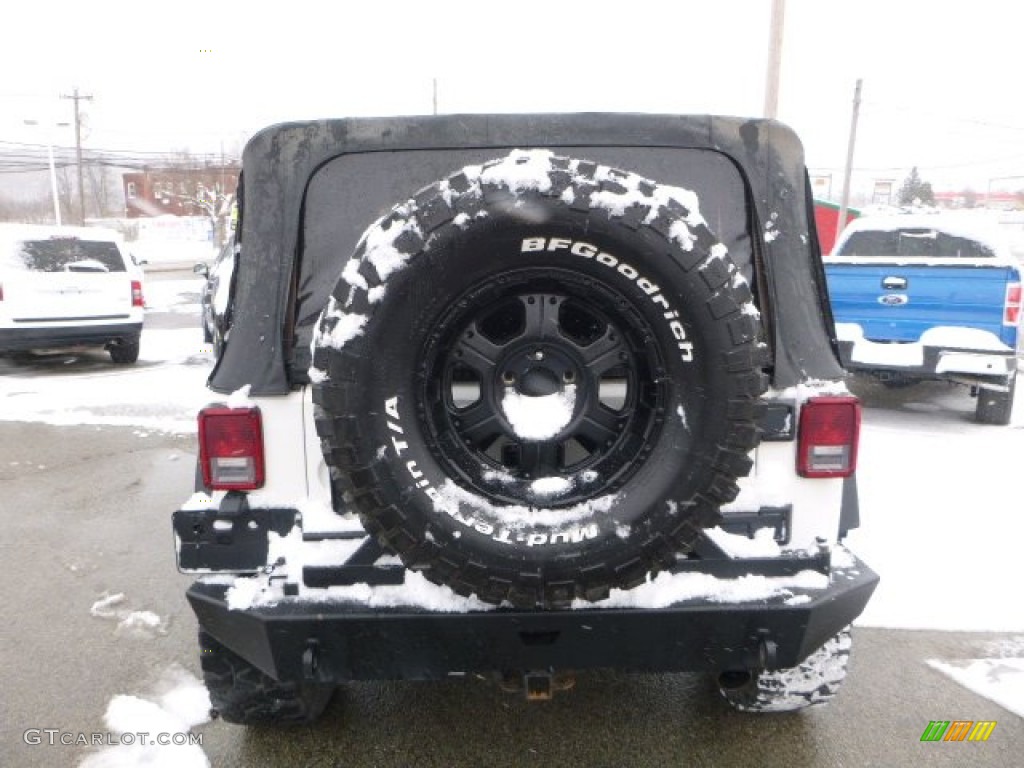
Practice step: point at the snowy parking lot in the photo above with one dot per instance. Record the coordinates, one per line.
(941, 496)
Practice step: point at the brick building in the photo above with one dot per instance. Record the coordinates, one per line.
(179, 191)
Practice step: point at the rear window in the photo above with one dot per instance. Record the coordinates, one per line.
(913, 242)
(64, 255)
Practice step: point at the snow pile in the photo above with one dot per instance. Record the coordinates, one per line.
(539, 418)
(661, 591)
(450, 496)
(179, 703)
(669, 588)
(380, 240)
(240, 398)
(145, 624)
(551, 486)
(762, 545)
(338, 327)
(250, 592)
(999, 679)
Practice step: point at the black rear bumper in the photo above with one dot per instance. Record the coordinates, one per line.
(340, 641)
(56, 337)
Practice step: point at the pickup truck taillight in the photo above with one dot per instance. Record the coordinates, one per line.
(1011, 307)
(828, 438)
(231, 448)
(137, 300)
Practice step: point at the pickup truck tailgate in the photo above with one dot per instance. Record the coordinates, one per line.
(898, 301)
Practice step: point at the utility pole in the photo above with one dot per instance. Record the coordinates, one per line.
(845, 201)
(78, 151)
(435, 95)
(771, 87)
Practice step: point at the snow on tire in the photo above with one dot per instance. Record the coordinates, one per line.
(538, 378)
(814, 681)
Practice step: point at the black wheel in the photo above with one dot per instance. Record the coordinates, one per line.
(124, 352)
(241, 693)
(538, 394)
(815, 680)
(995, 407)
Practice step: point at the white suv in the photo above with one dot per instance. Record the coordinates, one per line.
(68, 287)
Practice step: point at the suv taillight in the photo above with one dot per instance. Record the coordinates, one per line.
(137, 300)
(231, 448)
(829, 433)
(1011, 307)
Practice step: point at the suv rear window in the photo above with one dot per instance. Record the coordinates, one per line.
(65, 255)
(913, 242)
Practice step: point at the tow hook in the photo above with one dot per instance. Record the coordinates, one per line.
(767, 651)
(311, 659)
(538, 685)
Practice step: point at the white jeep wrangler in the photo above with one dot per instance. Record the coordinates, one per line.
(524, 395)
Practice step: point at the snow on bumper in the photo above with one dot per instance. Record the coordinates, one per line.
(412, 632)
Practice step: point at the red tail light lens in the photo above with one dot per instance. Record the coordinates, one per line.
(231, 448)
(1011, 308)
(829, 434)
(137, 300)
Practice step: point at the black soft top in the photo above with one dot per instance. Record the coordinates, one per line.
(308, 190)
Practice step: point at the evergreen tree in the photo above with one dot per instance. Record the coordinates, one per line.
(915, 191)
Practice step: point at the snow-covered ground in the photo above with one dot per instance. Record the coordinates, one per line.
(942, 506)
(162, 391)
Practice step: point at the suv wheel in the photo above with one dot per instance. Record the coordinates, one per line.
(538, 379)
(125, 351)
(241, 693)
(814, 681)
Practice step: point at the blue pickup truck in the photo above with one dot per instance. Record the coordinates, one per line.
(929, 296)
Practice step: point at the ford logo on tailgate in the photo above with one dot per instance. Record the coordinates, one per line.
(893, 299)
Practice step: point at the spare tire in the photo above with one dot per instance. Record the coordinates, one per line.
(538, 379)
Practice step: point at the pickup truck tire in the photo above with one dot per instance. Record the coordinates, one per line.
(608, 358)
(995, 407)
(241, 693)
(813, 681)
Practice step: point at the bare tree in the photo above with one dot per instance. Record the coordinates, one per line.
(101, 200)
(36, 211)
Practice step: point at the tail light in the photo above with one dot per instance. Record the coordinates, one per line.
(1011, 307)
(137, 300)
(231, 448)
(829, 433)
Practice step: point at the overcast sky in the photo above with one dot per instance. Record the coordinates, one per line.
(941, 79)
